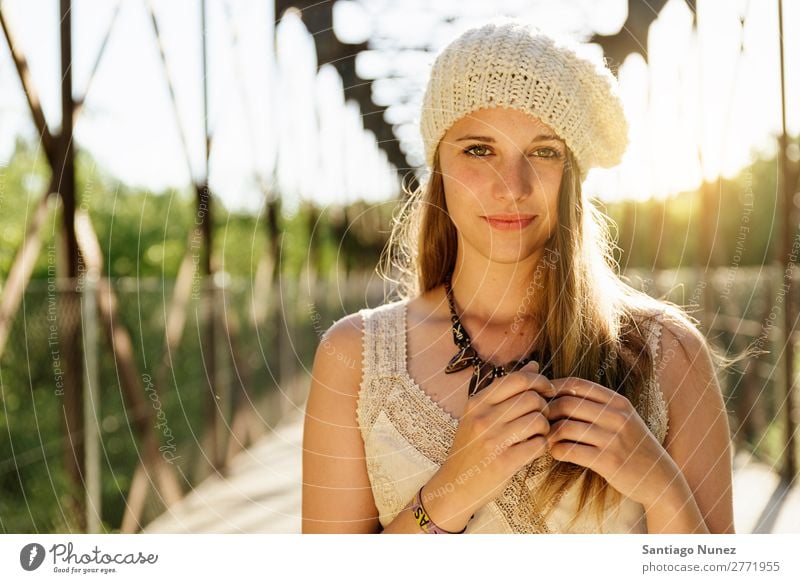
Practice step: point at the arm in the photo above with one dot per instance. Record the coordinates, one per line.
(337, 494)
(698, 492)
(440, 508)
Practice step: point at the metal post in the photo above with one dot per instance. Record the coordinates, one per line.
(210, 289)
(91, 405)
(70, 326)
(790, 460)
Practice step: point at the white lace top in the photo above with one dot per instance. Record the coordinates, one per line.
(407, 436)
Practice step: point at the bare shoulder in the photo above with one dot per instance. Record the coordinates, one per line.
(341, 346)
(346, 327)
(685, 366)
(680, 331)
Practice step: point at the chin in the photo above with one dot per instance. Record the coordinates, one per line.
(509, 257)
(503, 252)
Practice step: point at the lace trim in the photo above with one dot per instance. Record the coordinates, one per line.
(383, 487)
(650, 402)
(379, 358)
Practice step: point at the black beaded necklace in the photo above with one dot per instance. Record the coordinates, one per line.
(484, 373)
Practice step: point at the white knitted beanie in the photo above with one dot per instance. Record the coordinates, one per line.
(508, 63)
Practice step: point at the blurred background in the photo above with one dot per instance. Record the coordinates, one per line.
(192, 192)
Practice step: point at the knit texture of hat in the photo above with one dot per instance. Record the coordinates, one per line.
(508, 63)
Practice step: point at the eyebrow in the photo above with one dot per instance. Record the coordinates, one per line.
(491, 140)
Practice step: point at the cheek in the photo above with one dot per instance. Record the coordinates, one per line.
(462, 191)
(551, 186)
(550, 177)
(465, 180)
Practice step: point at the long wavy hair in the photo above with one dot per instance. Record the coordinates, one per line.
(592, 317)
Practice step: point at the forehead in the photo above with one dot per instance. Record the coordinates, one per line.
(500, 122)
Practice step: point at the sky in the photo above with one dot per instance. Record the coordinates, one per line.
(699, 108)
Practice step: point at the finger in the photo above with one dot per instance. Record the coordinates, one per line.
(513, 383)
(579, 387)
(528, 450)
(518, 405)
(587, 456)
(569, 407)
(580, 432)
(526, 427)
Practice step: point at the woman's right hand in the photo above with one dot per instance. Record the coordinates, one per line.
(503, 428)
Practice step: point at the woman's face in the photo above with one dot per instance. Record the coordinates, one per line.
(499, 164)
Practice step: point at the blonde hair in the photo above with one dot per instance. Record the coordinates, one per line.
(592, 316)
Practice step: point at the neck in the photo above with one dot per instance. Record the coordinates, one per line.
(494, 293)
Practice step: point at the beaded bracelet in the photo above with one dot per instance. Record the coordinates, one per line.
(424, 521)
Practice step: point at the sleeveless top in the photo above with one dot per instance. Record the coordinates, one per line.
(407, 436)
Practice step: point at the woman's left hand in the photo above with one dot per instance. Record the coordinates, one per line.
(611, 439)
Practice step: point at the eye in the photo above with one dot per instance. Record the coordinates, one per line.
(547, 153)
(470, 151)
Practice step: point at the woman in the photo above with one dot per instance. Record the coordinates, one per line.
(518, 385)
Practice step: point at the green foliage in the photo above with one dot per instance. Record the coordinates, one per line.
(667, 234)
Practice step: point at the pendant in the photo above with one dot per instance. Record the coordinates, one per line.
(464, 358)
(483, 376)
(484, 373)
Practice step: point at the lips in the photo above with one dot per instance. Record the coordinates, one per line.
(509, 222)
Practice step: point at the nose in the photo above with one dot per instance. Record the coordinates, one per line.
(516, 177)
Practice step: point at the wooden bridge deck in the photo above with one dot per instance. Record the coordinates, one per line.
(262, 493)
